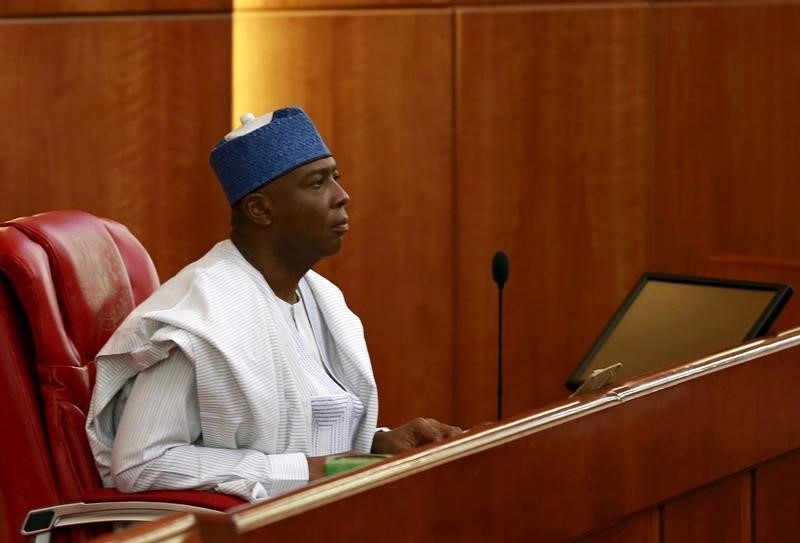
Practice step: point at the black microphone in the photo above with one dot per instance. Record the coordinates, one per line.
(500, 270)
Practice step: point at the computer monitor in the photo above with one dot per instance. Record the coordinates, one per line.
(670, 319)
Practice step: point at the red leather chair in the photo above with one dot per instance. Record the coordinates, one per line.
(67, 279)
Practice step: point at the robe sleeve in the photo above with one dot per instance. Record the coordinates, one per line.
(158, 443)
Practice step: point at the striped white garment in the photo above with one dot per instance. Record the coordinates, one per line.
(335, 412)
(232, 406)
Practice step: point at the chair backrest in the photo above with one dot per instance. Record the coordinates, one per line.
(767, 270)
(68, 278)
(27, 479)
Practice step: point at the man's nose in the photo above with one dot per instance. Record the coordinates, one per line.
(342, 197)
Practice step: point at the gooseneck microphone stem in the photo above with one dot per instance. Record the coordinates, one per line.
(500, 353)
(500, 269)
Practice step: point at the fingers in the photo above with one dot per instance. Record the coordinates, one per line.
(445, 429)
(426, 431)
(414, 433)
(431, 430)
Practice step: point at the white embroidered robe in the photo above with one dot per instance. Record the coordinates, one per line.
(253, 401)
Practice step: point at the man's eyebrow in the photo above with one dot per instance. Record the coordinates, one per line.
(321, 169)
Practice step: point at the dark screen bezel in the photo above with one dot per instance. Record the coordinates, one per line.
(781, 294)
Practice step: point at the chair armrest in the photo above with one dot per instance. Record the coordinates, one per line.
(40, 522)
(109, 505)
(199, 498)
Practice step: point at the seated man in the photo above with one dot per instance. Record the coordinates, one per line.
(245, 370)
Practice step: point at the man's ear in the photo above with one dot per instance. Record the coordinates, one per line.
(256, 207)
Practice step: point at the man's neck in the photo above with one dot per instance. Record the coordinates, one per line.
(281, 276)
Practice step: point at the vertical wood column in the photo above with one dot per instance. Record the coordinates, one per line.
(553, 138)
(777, 501)
(720, 512)
(727, 77)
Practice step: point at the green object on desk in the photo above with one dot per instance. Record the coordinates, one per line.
(340, 464)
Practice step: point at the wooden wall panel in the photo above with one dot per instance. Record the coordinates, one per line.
(61, 7)
(720, 512)
(777, 500)
(258, 5)
(727, 152)
(553, 144)
(641, 528)
(116, 117)
(378, 85)
(546, 4)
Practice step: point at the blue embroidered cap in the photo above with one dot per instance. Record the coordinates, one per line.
(264, 149)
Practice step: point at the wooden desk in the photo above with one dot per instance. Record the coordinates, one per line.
(707, 451)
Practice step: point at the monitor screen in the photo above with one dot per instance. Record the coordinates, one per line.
(668, 320)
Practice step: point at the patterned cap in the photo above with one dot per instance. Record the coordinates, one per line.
(264, 149)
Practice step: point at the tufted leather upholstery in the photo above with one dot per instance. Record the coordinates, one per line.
(67, 279)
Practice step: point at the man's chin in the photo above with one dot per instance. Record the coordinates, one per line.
(334, 248)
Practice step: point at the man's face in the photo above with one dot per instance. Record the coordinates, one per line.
(307, 211)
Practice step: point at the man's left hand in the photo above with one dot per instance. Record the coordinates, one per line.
(413, 434)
